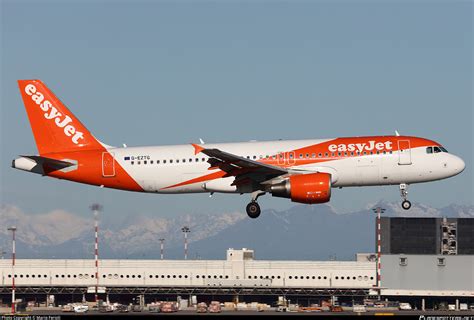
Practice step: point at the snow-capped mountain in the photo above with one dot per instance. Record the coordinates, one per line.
(301, 232)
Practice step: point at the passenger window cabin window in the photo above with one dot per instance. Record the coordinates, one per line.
(144, 162)
(177, 160)
(164, 161)
(255, 157)
(326, 154)
(151, 162)
(157, 161)
(196, 159)
(138, 162)
(313, 155)
(320, 155)
(307, 155)
(203, 159)
(132, 163)
(171, 161)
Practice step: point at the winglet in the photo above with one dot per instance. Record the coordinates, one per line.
(396, 133)
(197, 148)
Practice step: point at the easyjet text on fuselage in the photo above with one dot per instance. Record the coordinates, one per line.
(361, 147)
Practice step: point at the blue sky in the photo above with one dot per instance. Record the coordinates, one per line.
(163, 72)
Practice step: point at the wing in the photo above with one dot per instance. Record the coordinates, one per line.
(244, 170)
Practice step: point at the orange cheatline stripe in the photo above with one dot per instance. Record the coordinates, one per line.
(197, 148)
(212, 176)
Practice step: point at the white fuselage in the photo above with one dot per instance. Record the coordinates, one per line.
(158, 168)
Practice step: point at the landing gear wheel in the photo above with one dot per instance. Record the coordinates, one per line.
(253, 210)
(406, 204)
(404, 193)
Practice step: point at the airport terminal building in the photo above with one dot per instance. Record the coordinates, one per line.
(423, 259)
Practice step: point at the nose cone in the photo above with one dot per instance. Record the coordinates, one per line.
(458, 165)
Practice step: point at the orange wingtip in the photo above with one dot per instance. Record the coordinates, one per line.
(197, 148)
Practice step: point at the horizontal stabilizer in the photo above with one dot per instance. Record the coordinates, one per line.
(51, 163)
(39, 164)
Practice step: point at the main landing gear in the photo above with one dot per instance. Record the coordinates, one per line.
(404, 193)
(253, 208)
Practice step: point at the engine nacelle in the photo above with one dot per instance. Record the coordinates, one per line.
(304, 188)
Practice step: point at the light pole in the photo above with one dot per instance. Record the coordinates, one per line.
(162, 248)
(185, 230)
(96, 208)
(13, 230)
(379, 211)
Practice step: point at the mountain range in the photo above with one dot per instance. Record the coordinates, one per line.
(302, 232)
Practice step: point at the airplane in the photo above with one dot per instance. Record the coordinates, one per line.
(303, 171)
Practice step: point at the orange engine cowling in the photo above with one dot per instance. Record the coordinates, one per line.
(304, 188)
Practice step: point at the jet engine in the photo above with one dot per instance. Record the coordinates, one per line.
(304, 188)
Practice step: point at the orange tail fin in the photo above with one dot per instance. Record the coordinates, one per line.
(54, 127)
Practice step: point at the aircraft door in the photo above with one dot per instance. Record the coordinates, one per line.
(108, 165)
(404, 152)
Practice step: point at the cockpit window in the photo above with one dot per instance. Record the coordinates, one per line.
(436, 149)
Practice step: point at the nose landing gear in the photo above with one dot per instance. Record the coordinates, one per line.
(253, 208)
(404, 193)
